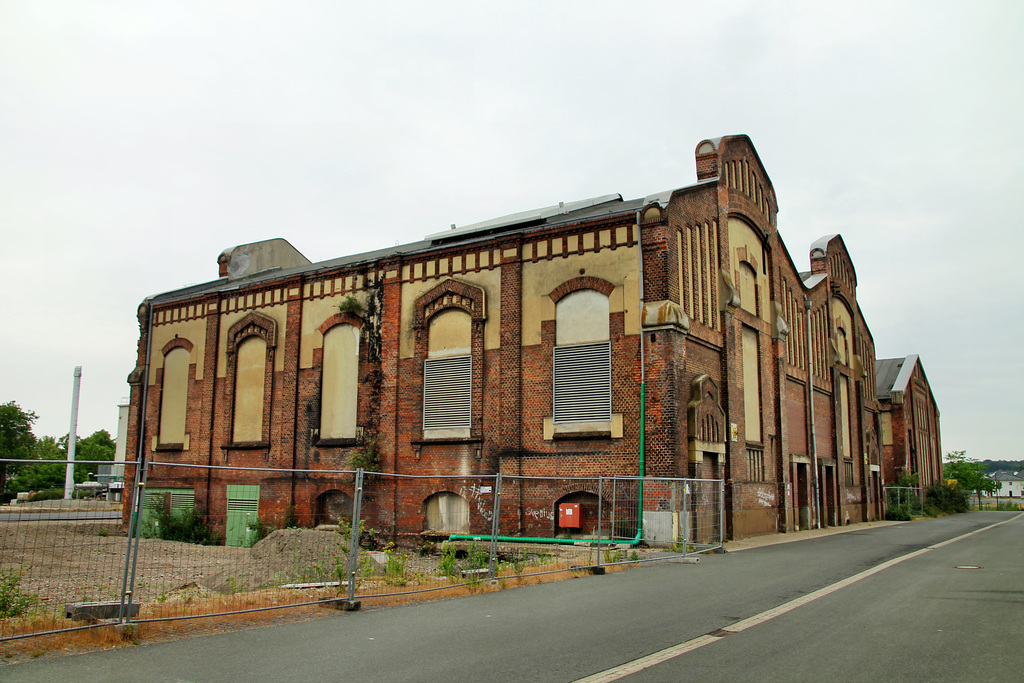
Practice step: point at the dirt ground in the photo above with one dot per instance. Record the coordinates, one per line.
(70, 561)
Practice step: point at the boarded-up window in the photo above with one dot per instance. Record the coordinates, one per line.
(582, 359)
(751, 386)
(448, 372)
(174, 397)
(339, 393)
(447, 512)
(250, 378)
(583, 383)
(447, 392)
(748, 289)
(844, 415)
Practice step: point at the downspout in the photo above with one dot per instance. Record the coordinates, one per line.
(643, 378)
(810, 409)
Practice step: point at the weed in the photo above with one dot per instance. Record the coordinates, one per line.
(256, 531)
(104, 531)
(350, 305)
(13, 601)
(367, 457)
(449, 563)
(394, 567)
(186, 526)
(613, 555)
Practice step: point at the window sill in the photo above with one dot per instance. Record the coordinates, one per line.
(448, 439)
(246, 446)
(163, 447)
(331, 443)
(581, 436)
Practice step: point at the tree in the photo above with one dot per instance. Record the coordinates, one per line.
(41, 475)
(97, 446)
(16, 437)
(968, 474)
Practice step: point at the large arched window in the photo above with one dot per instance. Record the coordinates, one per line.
(448, 371)
(250, 376)
(250, 350)
(340, 387)
(174, 397)
(582, 382)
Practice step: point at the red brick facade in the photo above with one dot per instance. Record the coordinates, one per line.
(685, 309)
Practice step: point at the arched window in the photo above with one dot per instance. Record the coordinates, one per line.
(250, 379)
(447, 512)
(582, 381)
(250, 350)
(174, 397)
(340, 386)
(448, 371)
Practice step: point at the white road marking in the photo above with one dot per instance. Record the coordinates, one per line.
(668, 653)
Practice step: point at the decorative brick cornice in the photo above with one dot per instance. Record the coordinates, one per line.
(450, 294)
(578, 283)
(252, 324)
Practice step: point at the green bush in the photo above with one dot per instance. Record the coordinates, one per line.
(945, 499)
(186, 526)
(899, 513)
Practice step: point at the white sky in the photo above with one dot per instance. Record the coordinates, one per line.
(139, 140)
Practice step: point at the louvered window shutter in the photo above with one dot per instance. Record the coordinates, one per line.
(447, 392)
(583, 383)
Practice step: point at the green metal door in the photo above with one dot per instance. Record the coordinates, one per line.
(243, 511)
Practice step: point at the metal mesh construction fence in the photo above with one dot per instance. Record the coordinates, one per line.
(205, 541)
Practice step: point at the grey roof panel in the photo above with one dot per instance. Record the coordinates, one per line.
(886, 371)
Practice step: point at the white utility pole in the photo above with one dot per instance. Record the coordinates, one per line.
(69, 476)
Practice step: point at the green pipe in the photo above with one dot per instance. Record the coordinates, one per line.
(548, 541)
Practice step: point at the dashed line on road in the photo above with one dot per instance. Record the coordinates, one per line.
(668, 653)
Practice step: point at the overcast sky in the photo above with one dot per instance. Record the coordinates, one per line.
(139, 140)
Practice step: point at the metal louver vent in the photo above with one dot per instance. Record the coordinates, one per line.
(243, 505)
(583, 383)
(447, 392)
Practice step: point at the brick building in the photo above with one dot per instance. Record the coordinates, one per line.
(519, 345)
(909, 420)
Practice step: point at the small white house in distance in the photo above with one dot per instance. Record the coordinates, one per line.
(1009, 484)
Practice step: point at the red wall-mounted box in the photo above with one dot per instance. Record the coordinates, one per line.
(569, 515)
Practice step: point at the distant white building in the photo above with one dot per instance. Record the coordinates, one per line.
(1009, 484)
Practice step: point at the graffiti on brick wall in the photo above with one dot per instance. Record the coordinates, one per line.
(539, 513)
(481, 497)
(766, 497)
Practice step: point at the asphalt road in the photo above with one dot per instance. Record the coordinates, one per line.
(901, 611)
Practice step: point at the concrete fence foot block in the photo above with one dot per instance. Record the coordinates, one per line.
(96, 611)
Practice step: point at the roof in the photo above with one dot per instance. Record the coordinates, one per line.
(524, 221)
(1007, 476)
(886, 372)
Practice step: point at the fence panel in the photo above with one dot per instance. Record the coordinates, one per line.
(55, 551)
(225, 540)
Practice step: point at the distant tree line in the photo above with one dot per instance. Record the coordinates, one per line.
(38, 470)
(1003, 465)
